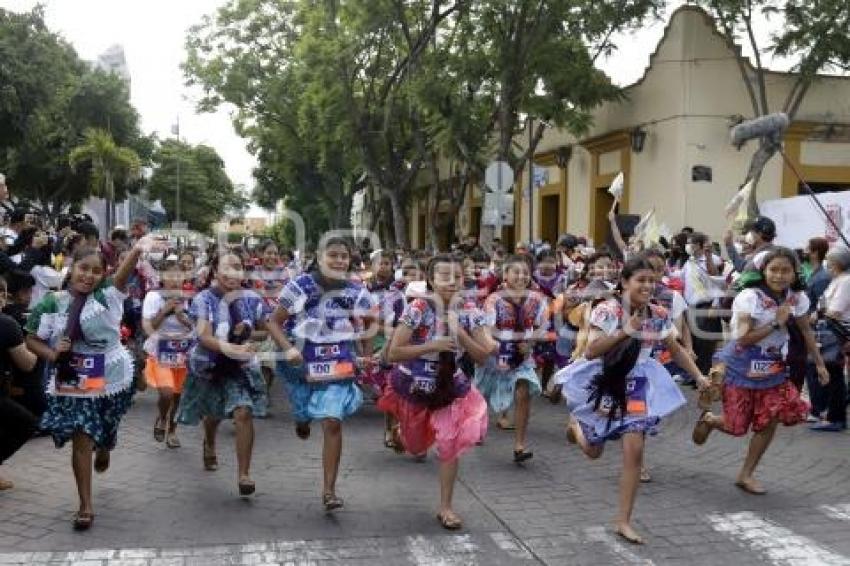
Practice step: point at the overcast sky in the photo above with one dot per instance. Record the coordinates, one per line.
(152, 33)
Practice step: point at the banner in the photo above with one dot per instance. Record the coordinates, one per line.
(799, 219)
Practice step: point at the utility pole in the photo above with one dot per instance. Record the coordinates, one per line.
(530, 183)
(176, 131)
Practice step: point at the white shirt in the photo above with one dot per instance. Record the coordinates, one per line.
(762, 311)
(699, 286)
(170, 327)
(837, 297)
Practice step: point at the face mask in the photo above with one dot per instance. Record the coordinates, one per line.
(155, 256)
(689, 249)
(750, 238)
(739, 247)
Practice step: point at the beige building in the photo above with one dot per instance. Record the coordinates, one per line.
(685, 104)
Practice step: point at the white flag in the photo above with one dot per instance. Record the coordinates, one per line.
(737, 208)
(616, 188)
(644, 223)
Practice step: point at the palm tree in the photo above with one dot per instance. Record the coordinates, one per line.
(110, 164)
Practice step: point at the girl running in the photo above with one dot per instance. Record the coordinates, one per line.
(331, 315)
(170, 333)
(433, 400)
(619, 390)
(515, 317)
(757, 393)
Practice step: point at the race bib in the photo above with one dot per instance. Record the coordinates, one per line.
(765, 368)
(172, 353)
(636, 397)
(90, 376)
(508, 354)
(328, 362)
(423, 376)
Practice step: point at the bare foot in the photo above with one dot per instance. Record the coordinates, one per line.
(626, 531)
(449, 520)
(750, 485)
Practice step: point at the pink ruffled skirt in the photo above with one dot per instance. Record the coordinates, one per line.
(454, 429)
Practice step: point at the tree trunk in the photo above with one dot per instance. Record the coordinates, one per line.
(399, 219)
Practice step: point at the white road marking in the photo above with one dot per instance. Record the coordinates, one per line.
(612, 543)
(511, 545)
(442, 551)
(773, 542)
(840, 512)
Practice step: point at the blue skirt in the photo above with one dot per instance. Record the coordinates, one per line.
(497, 386)
(316, 401)
(218, 398)
(660, 396)
(97, 417)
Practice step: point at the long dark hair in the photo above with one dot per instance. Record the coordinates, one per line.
(778, 252)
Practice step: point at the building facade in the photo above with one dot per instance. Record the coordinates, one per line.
(681, 162)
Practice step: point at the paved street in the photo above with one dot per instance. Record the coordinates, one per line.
(157, 507)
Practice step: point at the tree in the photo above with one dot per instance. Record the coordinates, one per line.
(48, 98)
(814, 33)
(109, 164)
(206, 192)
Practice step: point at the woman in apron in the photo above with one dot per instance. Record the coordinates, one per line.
(619, 391)
(515, 316)
(757, 393)
(430, 396)
(332, 315)
(90, 373)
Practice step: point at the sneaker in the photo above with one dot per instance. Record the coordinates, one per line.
(828, 427)
(811, 419)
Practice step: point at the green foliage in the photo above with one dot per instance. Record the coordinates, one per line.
(48, 99)
(206, 192)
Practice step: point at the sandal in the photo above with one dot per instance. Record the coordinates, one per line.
(101, 461)
(645, 476)
(6, 484)
(159, 430)
(555, 395)
(449, 521)
(83, 521)
(172, 441)
(331, 502)
(751, 488)
(210, 459)
(302, 430)
(702, 429)
(522, 455)
(247, 487)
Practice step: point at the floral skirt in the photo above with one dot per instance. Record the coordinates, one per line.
(98, 417)
(498, 386)
(745, 408)
(454, 429)
(218, 398)
(316, 401)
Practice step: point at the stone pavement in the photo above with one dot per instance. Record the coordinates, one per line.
(157, 507)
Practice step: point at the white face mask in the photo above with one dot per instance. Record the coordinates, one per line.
(739, 247)
(689, 249)
(750, 238)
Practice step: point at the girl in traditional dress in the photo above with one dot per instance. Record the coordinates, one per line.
(268, 280)
(332, 315)
(432, 398)
(619, 390)
(224, 379)
(515, 316)
(170, 332)
(90, 383)
(757, 392)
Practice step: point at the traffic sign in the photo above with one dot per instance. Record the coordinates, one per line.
(498, 210)
(499, 177)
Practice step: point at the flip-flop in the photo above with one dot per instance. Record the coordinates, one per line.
(302, 430)
(521, 456)
(332, 502)
(637, 539)
(83, 521)
(744, 486)
(448, 522)
(247, 487)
